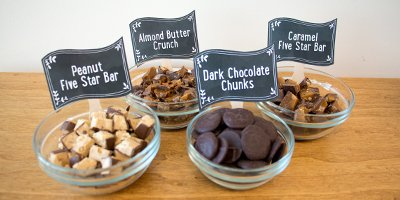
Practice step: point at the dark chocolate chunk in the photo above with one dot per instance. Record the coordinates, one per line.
(173, 76)
(208, 122)
(67, 127)
(207, 145)
(251, 164)
(279, 154)
(255, 143)
(238, 118)
(292, 87)
(274, 149)
(305, 83)
(289, 101)
(222, 150)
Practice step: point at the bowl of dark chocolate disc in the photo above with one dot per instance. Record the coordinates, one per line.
(97, 151)
(169, 91)
(239, 148)
(313, 107)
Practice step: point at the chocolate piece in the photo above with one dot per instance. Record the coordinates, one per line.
(208, 122)
(83, 128)
(99, 114)
(120, 122)
(133, 122)
(299, 114)
(305, 83)
(195, 134)
(120, 156)
(309, 94)
(274, 149)
(251, 164)
(161, 94)
(86, 163)
(279, 154)
(291, 86)
(162, 70)
(173, 76)
(67, 127)
(102, 124)
(233, 155)
(68, 140)
(330, 97)
(319, 105)
(144, 127)
(278, 100)
(107, 162)
(121, 135)
(232, 137)
(189, 94)
(104, 139)
(160, 79)
(59, 157)
(96, 153)
(222, 150)
(182, 71)
(207, 145)
(82, 145)
(255, 143)
(332, 107)
(268, 127)
(74, 159)
(130, 146)
(149, 75)
(238, 118)
(281, 81)
(289, 101)
(116, 110)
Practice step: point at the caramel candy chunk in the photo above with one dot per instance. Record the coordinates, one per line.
(59, 157)
(278, 100)
(149, 75)
(68, 140)
(121, 135)
(82, 145)
(86, 163)
(120, 122)
(330, 97)
(332, 108)
(67, 127)
(289, 101)
(161, 94)
(137, 89)
(189, 94)
(115, 110)
(102, 124)
(309, 94)
(96, 153)
(281, 81)
(290, 86)
(319, 105)
(160, 79)
(130, 146)
(173, 76)
(305, 83)
(144, 127)
(83, 128)
(104, 139)
(299, 114)
(162, 70)
(189, 81)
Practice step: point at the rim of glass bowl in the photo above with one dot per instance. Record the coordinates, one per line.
(336, 116)
(76, 174)
(166, 113)
(290, 142)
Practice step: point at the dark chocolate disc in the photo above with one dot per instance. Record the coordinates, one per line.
(255, 143)
(279, 154)
(251, 164)
(207, 145)
(267, 126)
(232, 137)
(222, 150)
(195, 134)
(208, 122)
(274, 149)
(233, 155)
(238, 118)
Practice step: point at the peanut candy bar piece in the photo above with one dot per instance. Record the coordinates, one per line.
(116, 110)
(108, 162)
(120, 122)
(86, 163)
(83, 128)
(67, 127)
(82, 145)
(59, 157)
(68, 140)
(103, 124)
(144, 127)
(120, 156)
(130, 146)
(96, 153)
(121, 135)
(104, 139)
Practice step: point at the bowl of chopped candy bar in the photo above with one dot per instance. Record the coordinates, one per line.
(101, 151)
(169, 92)
(314, 107)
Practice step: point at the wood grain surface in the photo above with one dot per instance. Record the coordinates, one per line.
(359, 160)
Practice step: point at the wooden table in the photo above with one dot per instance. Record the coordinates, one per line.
(359, 160)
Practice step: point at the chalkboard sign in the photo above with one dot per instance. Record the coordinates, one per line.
(304, 42)
(223, 75)
(164, 38)
(83, 74)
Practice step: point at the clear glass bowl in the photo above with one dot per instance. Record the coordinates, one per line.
(241, 179)
(322, 124)
(171, 115)
(45, 140)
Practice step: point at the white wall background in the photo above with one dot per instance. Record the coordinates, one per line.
(367, 40)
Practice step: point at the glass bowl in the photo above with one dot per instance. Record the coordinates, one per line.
(171, 115)
(322, 124)
(241, 179)
(45, 140)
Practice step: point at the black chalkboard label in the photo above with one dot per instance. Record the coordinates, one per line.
(309, 43)
(164, 37)
(73, 74)
(223, 75)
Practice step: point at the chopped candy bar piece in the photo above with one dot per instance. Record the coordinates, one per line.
(144, 127)
(120, 156)
(134, 121)
(330, 97)
(120, 122)
(162, 70)
(130, 146)
(319, 105)
(173, 76)
(68, 140)
(278, 100)
(108, 162)
(86, 163)
(160, 79)
(96, 153)
(121, 135)
(82, 145)
(104, 139)
(67, 127)
(83, 128)
(309, 94)
(290, 86)
(305, 83)
(332, 107)
(115, 110)
(289, 101)
(299, 114)
(161, 94)
(99, 114)
(189, 94)
(59, 157)
(149, 75)
(102, 124)
(74, 159)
